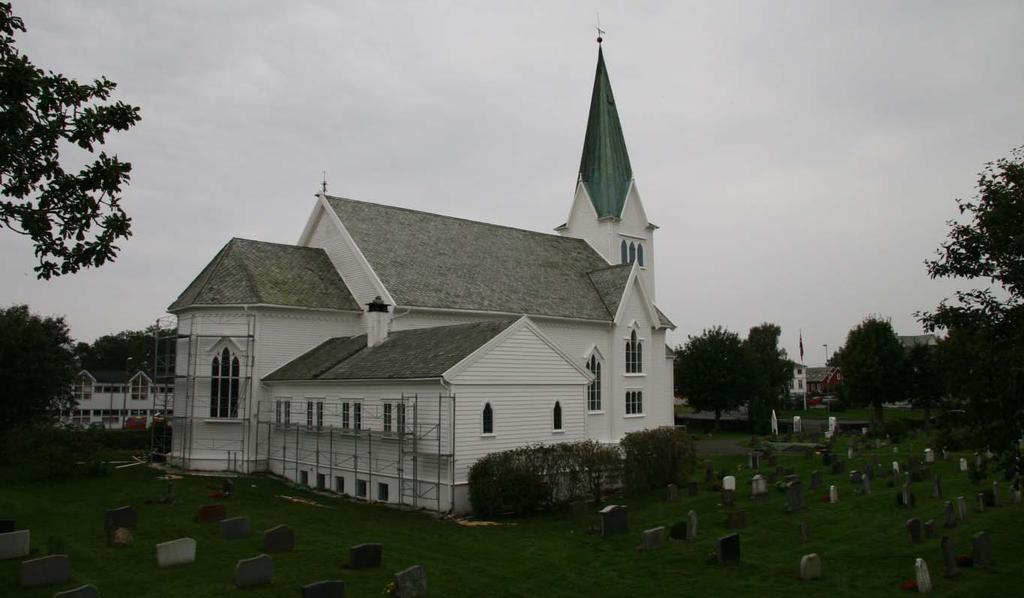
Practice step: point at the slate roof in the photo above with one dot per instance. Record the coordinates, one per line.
(418, 353)
(115, 376)
(604, 167)
(610, 283)
(817, 374)
(249, 272)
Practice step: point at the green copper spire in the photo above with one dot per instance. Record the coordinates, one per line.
(605, 169)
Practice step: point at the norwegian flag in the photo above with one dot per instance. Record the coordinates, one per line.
(801, 346)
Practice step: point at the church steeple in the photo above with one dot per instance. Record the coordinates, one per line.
(604, 168)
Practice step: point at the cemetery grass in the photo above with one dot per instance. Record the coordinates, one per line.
(864, 548)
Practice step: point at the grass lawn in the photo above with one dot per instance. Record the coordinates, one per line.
(861, 540)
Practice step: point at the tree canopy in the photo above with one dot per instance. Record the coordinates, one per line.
(771, 371)
(713, 371)
(37, 368)
(113, 351)
(73, 219)
(872, 365)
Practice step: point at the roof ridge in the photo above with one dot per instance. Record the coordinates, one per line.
(208, 271)
(611, 267)
(275, 243)
(414, 211)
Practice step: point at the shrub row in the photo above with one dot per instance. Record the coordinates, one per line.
(540, 477)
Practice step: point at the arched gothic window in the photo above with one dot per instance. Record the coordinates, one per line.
(625, 252)
(224, 381)
(634, 354)
(632, 252)
(594, 388)
(556, 423)
(488, 419)
(640, 254)
(140, 388)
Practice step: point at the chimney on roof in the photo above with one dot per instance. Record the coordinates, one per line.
(377, 320)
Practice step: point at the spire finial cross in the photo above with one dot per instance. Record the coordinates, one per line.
(600, 32)
(323, 184)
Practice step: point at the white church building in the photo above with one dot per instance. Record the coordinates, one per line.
(377, 358)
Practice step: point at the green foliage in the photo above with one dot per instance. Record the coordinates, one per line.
(872, 365)
(772, 374)
(113, 351)
(713, 372)
(985, 359)
(542, 476)
(656, 458)
(73, 219)
(37, 368)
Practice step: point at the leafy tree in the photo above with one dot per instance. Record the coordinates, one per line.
(772, 374)
(112, 351)
(73, 219)
(37, 368)
(713, 372)
(872, 366)
(925, 381)
(986, 325)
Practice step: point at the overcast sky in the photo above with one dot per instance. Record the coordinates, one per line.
(801, 158)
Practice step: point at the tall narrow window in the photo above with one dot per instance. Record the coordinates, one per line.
(319, 414)
(277, 411)
(488, 419)
(224, 382)
(387, 417)
(357, 416)
(594, 388)
(625, 253)
(634, 402)
(632, 252)
(556, 417)
(309, 414)
(640, 254)
(140, 388)
(401, 418)
(287, 413)
(634, 354)
(344, 415)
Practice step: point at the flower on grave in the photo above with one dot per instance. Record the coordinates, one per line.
(965, 561)
(910, 584)
(826, 498)
(389, 589)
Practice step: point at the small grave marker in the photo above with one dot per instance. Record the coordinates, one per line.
(411, 583)
(256, 571)
(45, 571)
(727, 549)
(815, 479)
(961, 508)
(235, 528)
(810, 567)
(981, 549)
(614, 521)
(672, 493)
(949, 565)
(929, 528)
(86, 591)
(176, 552)
(125, 517)
(652, 539)
(914, 528)
(758, 486)
(963, 464)
(332, 588)
(15, 544)
(924, 580)
(279, 538)
(950, 521)
(794, 497)
(691, 525)
(937, 486)
(833, 494)
(805, 531)
(365, 556)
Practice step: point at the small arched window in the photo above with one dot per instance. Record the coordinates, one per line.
(625, 253)
(594, 388)
(224, 382)
(632, 252)
(640, 254)
(634, 354)
(556, 423)
(488, 419)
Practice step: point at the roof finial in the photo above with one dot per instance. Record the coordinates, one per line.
(600, 32)
(323, 185)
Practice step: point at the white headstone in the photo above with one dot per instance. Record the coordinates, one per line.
(895, 450)
(833, 494)
(929, 456)
(176, 552)
(832, 424)
(896, 467)
(729, 482)
(864, 431)
(924, 581)
(849, 452)
(775, 424)
(758, 485)
(14, 544)
(797, 425)
(810, 567)
(963, 464)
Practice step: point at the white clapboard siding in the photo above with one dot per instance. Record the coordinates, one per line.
(521, 358)
(341, 250)
(284, 335)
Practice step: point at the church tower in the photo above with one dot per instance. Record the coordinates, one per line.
(606, 210)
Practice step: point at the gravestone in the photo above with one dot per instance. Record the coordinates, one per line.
(838, 467)
(691, 525)
(729, 483)
(331, 588)
(905, 497)
(794, 497)
(86, 591)
(963, 464)
(855, 476)
(929, 528)
(410, 583)
(614, 521)
(366, 556)
(235, 528)
(982, 502)
(914, 528)
(709, 472)
(256, 571)
(805, 531)
(929, 456)
(691, 489)
(977, 460)
(797, 425)
(727, 549)
(870, 470)
(125, 517)
(949, 559)
(993, 498)
(924, 580)
(833, 494)
(896, 467)
(672, 493)
(754, 460)
(45, 571)
(211, 513)
(758, 486)
(849, 453)
(736, 520)
(15, 544)
(950, 521)
(652, 539)
(772, 460)
(937, 486)
(815, 479)
(6, 526)
(176, 552)
(981, 549)
(810, 567)
(279, 538)
(826, 458)
(865, 485)
(961, 508)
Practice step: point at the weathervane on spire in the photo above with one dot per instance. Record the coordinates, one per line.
(323, 184)
(600, 32)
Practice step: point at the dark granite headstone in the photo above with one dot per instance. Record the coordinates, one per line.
(211, 513)
(257, 571)
(815, 479)
(614, 521)
(125, 517)
(334, 588)
(365, 556)
(652, 539)
(709, 472)
(805, 531)
(235, 528)
(794, 497)
(865, 485)
(982, 502)
(949, 559)
(727, 549)
(937, 486)
(981, 549)
(929, 528)
(45, 571)
(86, 591)
(6, 526)
(754, 460)
(914, 528)
(869, 471)
(411, 583)
(736, 520)
(950, 521)
(279, 538)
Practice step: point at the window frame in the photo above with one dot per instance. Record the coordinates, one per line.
(635, 398)
(634, 363)
(225, 384)
(557, 418)
(594, 398)
(487, 420)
